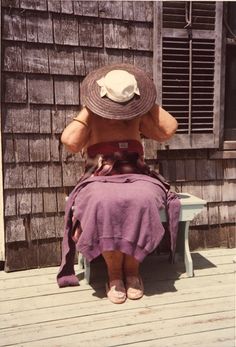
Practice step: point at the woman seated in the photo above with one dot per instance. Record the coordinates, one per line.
(114, 209)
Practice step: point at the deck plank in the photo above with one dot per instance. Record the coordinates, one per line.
(125, 334)
(175, 310)
(158, 269)
(216, 338)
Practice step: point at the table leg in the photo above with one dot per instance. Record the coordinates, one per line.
(187, 255)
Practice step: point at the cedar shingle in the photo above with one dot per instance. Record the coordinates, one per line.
(61, 196)
(180, 170)
(14, 88)
(190, 170)
(55, 175)
(110, 9)
(13, 25)
(144, 61)
(116, 34)
(54, 6)
(70, 114)
(37, 201)
(78, 7)
(44, 121)
(128, 57)
(21, 149)
(229, 169)
(54, 149)
(10, 3)
(23, 202)
(219, 169)
(39, 28)
(29, 176)
(8, 149)
(39, 5)
(59, 226)
(13, 177)
(91, 60)
(86, 8)
(35, 59)
(42, 227)
(12, 59)
(39, 149)
(223, 215)
(15, 230)
(205, 169)
(128, 10)
(79, 62)
(66, 91)
(9, 203)
(143, 11)
(65, 30)
(140, 37)
(213, 215)
(49, 201)
(62, 61)
(71, 174)
(211, 191)
(58, 121)
(67, 6)
(40, 89)
(110, 56)
(21, 120)
(228, 191)
(90, 32)
(42, 175)
(231, 211)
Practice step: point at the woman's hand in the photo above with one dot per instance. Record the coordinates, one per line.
(158, 124)
(76, 134)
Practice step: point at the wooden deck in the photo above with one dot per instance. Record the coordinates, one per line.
(175, 311)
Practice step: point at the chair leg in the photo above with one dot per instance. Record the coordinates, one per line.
(84, 264)
(80, 261)
(187, 255)
(87, 271)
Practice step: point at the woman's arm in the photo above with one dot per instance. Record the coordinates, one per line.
(76, 134)
(158, 124)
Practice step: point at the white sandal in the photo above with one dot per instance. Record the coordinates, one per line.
(134, 287)
(116, 292)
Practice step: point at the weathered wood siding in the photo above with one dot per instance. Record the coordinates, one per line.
(213, 180)
(48, 46)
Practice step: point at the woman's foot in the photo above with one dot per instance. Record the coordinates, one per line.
(134, 287)
(116, 291)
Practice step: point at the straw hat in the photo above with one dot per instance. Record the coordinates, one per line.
(120, 91)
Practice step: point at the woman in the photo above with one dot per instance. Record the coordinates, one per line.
(114, 210)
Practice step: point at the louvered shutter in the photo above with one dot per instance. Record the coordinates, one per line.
(188, 68)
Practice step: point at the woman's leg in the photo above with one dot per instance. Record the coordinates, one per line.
(114, 262)
(131, 266)
(133, 281)
(115, 289)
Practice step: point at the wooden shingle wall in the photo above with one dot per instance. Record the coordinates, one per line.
(48, 46)
(214, 180)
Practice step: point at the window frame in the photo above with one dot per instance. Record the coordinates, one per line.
(193, 140)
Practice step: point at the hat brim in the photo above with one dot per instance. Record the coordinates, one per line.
(105, 107)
